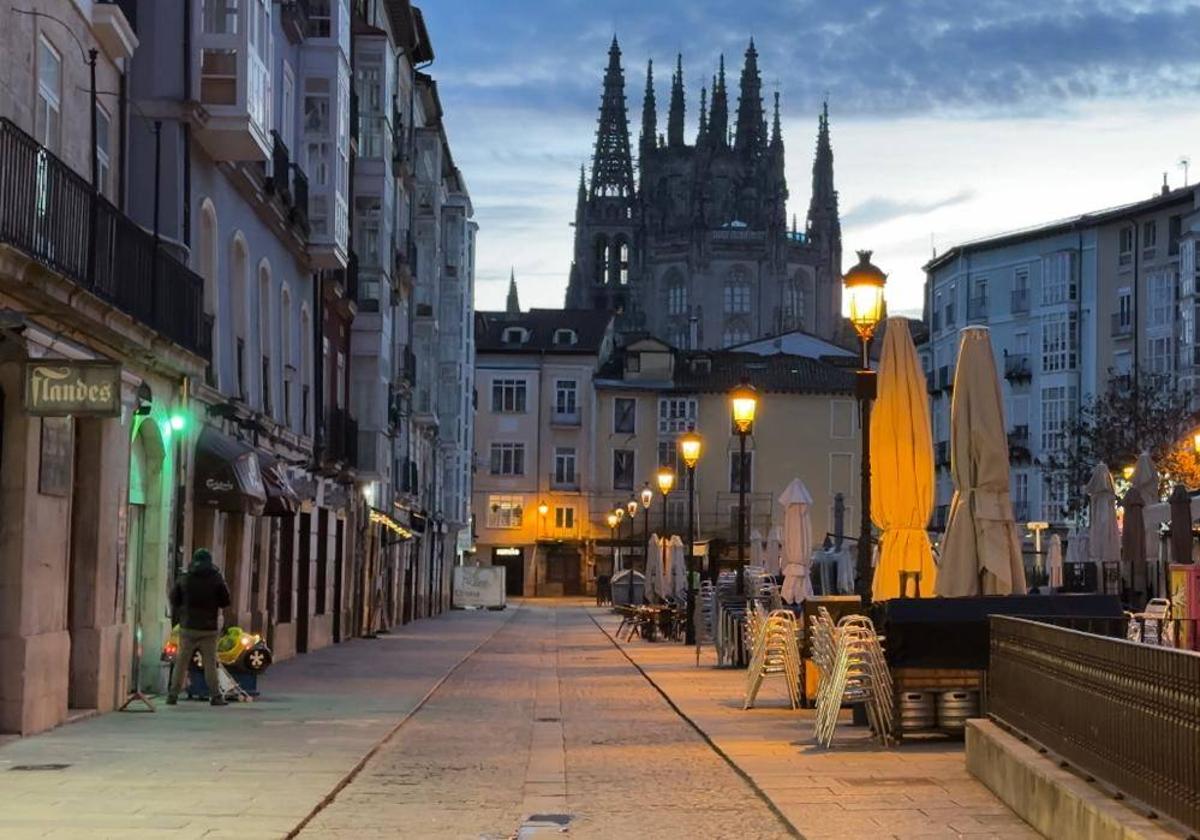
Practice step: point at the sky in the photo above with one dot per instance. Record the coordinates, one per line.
(950, 119)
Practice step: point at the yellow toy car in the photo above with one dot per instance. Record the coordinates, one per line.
(236, 649)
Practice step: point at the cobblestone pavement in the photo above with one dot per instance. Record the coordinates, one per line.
(853, 791)
(247, 770)
(547, 720)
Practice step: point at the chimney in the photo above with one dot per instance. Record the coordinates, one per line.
(693, 332)
(1165, 188)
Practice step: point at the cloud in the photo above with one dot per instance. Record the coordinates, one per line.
(879, 209)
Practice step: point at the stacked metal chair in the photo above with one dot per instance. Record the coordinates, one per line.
(849, 659)
(776, 652)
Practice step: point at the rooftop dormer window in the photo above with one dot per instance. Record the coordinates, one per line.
(515, 335)
(565, 336)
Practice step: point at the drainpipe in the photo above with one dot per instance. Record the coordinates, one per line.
(1137, 339)
(184, 126)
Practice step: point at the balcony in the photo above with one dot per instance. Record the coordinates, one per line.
(564, 418)
(231, 83)
(354, 127)
(941, 454)
(1122, 325)
(295, 19)
(564, 480)
(374, 137)
(1020, 300)
(277, 183)
(298, 214)
(977, 308)
(1017, 368)
(341, 437)
(409, 369)
(1018, 444)
(115, 26)
(45, 208)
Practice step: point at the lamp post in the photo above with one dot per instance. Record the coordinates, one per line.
(612, 520)
(631, 509)
(690, 445)
(666, 481)
(864, 290)
(618, 512)
(542, 510)
(647, 496)
(743, 401)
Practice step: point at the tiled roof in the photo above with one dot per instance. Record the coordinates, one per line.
(720, 370)
(590, 328)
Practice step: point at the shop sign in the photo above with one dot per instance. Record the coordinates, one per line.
(507, 552)
(61, 388)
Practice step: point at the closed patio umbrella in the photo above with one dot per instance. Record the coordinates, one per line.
(902, 469)
(981, 552)
(654, 587)
(1145, 479)
(774, 551)
(677, 569)
(797, 542)
(1054, 562)
(756, 548)
(1104, 542)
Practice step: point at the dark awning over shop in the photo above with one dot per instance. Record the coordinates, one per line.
(282, 498)
(227, 474)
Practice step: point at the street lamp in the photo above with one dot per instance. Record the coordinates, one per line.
(612, 521)
(743, 400)
(864, 290)
(690, 445)
(542, 510)
(631, 509)
(647, 497)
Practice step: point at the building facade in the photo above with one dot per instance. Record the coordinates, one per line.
(1069, 304)
(698, 251)
(571, 425)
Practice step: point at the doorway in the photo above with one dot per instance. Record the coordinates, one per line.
(513, 561)
(303, 582)
(339, 536)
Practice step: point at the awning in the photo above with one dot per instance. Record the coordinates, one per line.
(227, 474)
(282, 498)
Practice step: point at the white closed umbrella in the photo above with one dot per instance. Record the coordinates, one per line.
(1104, 542)
(1145, 479)
(756, 548)
(677, 561)
(797, 542)
(1077, 548)
(654, 587)
(1054, 562)
(774, 551)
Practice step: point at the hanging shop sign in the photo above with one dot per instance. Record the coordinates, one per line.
(60, 388)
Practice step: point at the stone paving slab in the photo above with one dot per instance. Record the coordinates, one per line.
(247, 770)
(856, 789)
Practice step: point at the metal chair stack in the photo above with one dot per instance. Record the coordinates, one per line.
(776, 652)
(849, 659)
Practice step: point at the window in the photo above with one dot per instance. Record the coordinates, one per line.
(793, 304)
(564, 518)
(1149, 238)
(514, 335)
(1161, 352)
(48, 119)
(1125, 246)
(1058, 283)
(950, 297)
(564, 337)
(1054, 499)
(220, 17)
(841, 419)
(1174, 231)
(668, 456)
(623, 469)
(287, 109)
(340, 383)
(741, 473)
(565, 397)
(103, 158)
(1060, 341)
(734, 335)
(624, 415)
(677, 299)
(737, 298)
(633, 363)
(676, 414)
(218, 76)
(508, 459)
(504, 511)
(1162, 299)
(564, 465)
(1124, 307)
(1058, 409)
(508, 396)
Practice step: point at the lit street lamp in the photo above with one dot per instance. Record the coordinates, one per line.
(542, 510)
(612, 521)
(864, 289)
(618, 512)
(647, 497)
(743, 401)
(690, 445)
(631, 509)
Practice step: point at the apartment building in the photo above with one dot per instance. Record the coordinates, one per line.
(1066, 303)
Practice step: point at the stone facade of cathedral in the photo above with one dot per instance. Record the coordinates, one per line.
(698, 251)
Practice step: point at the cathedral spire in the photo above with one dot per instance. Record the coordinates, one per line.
(702, 134)
(612, 164)
(776, 129)
(824, 203)
(512, 306)
(675, 119)
(718, 115)
(750, 139)
(649, 113)
(581, 196)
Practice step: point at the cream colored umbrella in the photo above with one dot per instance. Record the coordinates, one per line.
(756, 548)
(902, 469)
(797, 542)
(1104, 541)
(774, 555)
(981, 552)
(1145, 478)
(654, 587)
(677, 569)
(1054, 562)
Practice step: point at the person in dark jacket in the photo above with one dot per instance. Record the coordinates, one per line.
(196, 601)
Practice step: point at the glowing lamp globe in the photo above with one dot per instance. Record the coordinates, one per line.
(666, 480)
(647, 495)
(612, 520)
(631, 507)
(864, 295)
(743, 401)
(689, 447)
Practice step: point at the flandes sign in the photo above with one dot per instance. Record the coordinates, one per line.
(60, 388)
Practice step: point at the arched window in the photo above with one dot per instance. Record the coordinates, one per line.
(600, 251)
(239, 266)
(265, 300)
(793, 303)
(207, 251)
(737, 292)
(306, 341)
(734, 334)
(286, 351)
(677, 294)
(621, 264)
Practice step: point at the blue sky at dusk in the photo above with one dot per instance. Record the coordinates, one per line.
(950, 119)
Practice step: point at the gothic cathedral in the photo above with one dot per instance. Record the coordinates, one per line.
(698, 251)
